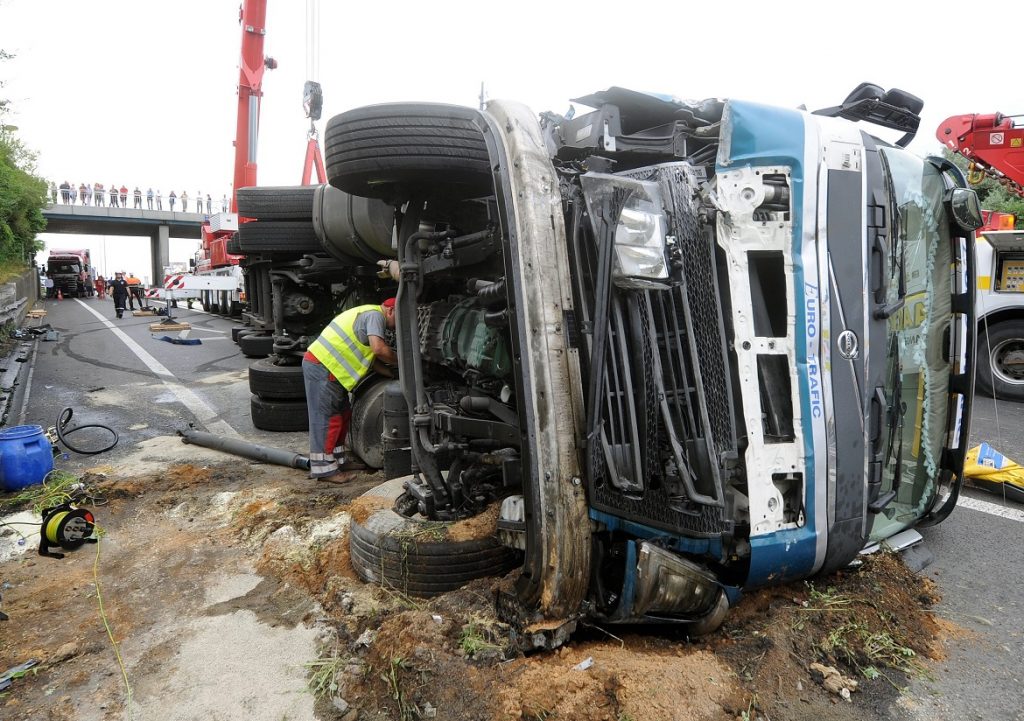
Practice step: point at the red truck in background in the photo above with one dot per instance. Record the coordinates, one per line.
(994, 145)
(72, 272)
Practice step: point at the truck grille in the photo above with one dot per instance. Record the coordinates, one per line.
(659, 406)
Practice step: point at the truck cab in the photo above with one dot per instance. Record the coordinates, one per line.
(689, 348)
(72, 272)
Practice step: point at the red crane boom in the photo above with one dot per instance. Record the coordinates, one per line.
(993, 143)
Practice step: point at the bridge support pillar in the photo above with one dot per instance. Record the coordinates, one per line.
(160, 252)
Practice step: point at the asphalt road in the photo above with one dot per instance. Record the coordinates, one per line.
(979, 569)
(94, 369)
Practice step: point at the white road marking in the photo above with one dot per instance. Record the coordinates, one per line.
(198, 407)
(991, 508)
(28, 384)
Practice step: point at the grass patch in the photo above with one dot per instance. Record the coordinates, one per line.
(57, 487)
(323, 676)
(480, 634)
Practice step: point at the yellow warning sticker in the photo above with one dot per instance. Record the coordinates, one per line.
(1016, 142)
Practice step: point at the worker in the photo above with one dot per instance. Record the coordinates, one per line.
(134, 291)
(118, 291)
(347, 349)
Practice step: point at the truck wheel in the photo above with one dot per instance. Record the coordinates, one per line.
(278, 236)
(278, 415)
(280, 202)
(269, 380)
(1001, 361)
(256, 345)
(400, 150)
(412, 555)
(232, 245)
(364, 436)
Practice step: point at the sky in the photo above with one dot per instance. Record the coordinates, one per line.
(143, 92)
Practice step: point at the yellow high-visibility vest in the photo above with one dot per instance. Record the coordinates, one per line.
(340, 351)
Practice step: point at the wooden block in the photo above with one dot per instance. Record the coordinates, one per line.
(156, 327)
(138, 313)
(36, 313)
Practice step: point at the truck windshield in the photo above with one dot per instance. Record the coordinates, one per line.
(65, 268)
(917, 376)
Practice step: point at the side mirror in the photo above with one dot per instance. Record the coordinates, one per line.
(192, 263)
(962, 204)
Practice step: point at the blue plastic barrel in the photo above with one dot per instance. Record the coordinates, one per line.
(26, 456)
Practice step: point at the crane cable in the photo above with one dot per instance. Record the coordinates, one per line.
(313, 40)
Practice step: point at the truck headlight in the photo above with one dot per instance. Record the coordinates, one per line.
(629, 214)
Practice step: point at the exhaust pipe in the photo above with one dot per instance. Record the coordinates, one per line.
(234, 446)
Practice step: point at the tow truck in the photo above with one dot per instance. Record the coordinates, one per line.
(994, 145)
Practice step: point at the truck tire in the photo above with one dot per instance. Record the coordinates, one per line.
(269, 380)
(399, 552)
(364, 434)
(1001, 360)
(278, 236)
(276, 202)
(256, 345)
(277, 415)
(400, 150)
(232, 245)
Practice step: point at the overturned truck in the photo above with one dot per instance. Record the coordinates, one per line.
(686, 348)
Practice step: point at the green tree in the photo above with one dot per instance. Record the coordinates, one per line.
(991, 194)
(22, 193)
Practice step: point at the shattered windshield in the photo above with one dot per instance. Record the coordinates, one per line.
(917, 375)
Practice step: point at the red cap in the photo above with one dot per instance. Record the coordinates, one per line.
(389, 303)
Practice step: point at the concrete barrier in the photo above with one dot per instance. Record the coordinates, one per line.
(17, 296)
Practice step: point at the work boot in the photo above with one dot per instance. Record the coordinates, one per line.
(338, 477)
(351, 464)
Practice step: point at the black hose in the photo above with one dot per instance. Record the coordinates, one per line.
(65, 418)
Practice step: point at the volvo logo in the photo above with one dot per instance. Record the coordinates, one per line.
(848, 345)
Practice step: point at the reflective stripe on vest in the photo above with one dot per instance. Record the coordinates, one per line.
(340, 351)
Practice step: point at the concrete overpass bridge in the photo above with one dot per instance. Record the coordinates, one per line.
(159, 225)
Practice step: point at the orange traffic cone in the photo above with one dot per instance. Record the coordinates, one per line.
(60, 295)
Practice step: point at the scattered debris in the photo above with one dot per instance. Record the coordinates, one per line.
(584, 664)
(179, 341)
(835, 682)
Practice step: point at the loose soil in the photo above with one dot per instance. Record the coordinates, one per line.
(229, 587)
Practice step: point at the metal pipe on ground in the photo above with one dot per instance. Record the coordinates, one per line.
(234, 446)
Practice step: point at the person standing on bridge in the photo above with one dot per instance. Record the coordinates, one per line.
(184, 201)
(97, 194)
(149, 198)
(53, 192)
(209, 205)
(88, 194)
(113, 195)
(171, 198)
(81, 193)
(64, 192)
(138, 198)
(124, 197)
(346, 351)
(224, 204)
(119, 292)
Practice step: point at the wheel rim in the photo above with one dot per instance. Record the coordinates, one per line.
(1008, 361)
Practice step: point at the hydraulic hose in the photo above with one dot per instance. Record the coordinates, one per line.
(267, 454)
(65, 418)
